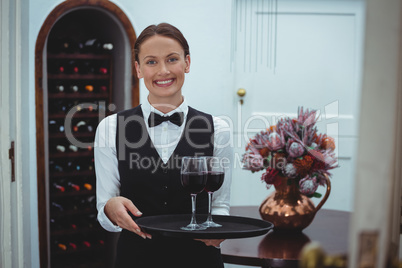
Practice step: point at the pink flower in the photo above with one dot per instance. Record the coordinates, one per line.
(308, 185)
(327, 157)
(290, 171)
(253, 162)
(307, 118)
(294, 148)
(275, 141)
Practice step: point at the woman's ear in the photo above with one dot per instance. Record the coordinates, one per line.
(137, 68)
(188, 61)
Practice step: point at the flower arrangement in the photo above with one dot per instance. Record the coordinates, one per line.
(292, 148)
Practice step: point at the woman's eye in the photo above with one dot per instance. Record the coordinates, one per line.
(151, 62)
(172, 59)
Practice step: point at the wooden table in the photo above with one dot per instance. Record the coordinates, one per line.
(329, 228)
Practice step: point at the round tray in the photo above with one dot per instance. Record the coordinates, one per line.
(232, 226)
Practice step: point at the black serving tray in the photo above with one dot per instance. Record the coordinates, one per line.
(232, 226)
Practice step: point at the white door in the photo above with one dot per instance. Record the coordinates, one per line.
(287, 54)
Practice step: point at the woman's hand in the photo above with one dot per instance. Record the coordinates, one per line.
(116, 210)
(212, 242)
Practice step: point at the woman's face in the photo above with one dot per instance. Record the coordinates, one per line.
(163, 67)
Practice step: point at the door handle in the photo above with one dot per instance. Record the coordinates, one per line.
(241, 92)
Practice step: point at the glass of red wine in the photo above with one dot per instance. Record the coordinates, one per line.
(193, 178)
(215, 178)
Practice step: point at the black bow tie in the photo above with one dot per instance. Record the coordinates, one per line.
(156, 119)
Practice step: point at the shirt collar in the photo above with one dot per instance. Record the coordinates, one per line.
(147, 108)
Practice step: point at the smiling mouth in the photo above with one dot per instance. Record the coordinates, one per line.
(164, 82)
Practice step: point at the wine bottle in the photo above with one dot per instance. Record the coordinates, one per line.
(62, 45)
(55, 167)
(56, 207)
(58, 188)
(92, 107)
(59, 88)
(91, 164)
(69, 45)
(55, 225)
(60, 148)
(72, 166)
(72, 67)
(88, 148)
(89, 88)
(94, 45)
(87, 186)
(58, 245)
(72, 246)
(81, 126)
(89, 46)
(103, 68)
(73, 148)
(56, 67)
(103, 88)
(55, 127)
(107, 47)
(58, 106)
(73, 187)
(87, 67)
(57, 148)
(86, 244)
(74, 88)
(91, 201)
(84, 126)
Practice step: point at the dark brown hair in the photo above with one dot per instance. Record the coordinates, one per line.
(164, 29)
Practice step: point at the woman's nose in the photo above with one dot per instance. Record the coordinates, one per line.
(163, 70)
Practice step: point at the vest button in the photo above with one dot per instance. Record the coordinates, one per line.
(165, 203)
(165, 187)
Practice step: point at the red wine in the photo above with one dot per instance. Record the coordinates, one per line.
(194, 182)
(214, 181)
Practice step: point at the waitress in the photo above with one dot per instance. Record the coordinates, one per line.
(138, 158)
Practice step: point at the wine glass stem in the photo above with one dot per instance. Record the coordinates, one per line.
(193, 205)
(209, 206)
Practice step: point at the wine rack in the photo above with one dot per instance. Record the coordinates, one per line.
(79, 90)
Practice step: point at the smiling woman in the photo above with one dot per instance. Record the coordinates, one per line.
(160, 132)
(162, 64)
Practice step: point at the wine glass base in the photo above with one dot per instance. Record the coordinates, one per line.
(194, 227)
(208, 224)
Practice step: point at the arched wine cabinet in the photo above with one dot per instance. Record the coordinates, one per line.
(77, 84)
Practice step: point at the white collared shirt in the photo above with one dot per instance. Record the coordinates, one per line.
(165, 138)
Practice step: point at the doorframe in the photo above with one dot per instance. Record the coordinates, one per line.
(11, 190)
(51, 19)
(374, 230)
(5, 181)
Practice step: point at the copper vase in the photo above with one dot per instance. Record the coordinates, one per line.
(288, 209)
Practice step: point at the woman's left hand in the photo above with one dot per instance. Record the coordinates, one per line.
(212, 242)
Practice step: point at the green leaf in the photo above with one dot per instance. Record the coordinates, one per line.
(269, 158)
(316, 194)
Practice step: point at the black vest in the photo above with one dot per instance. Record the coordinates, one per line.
(155, 187)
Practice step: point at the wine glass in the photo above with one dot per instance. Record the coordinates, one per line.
(215, 178)
(193, 178)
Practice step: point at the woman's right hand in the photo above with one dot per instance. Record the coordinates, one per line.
(116, 209)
